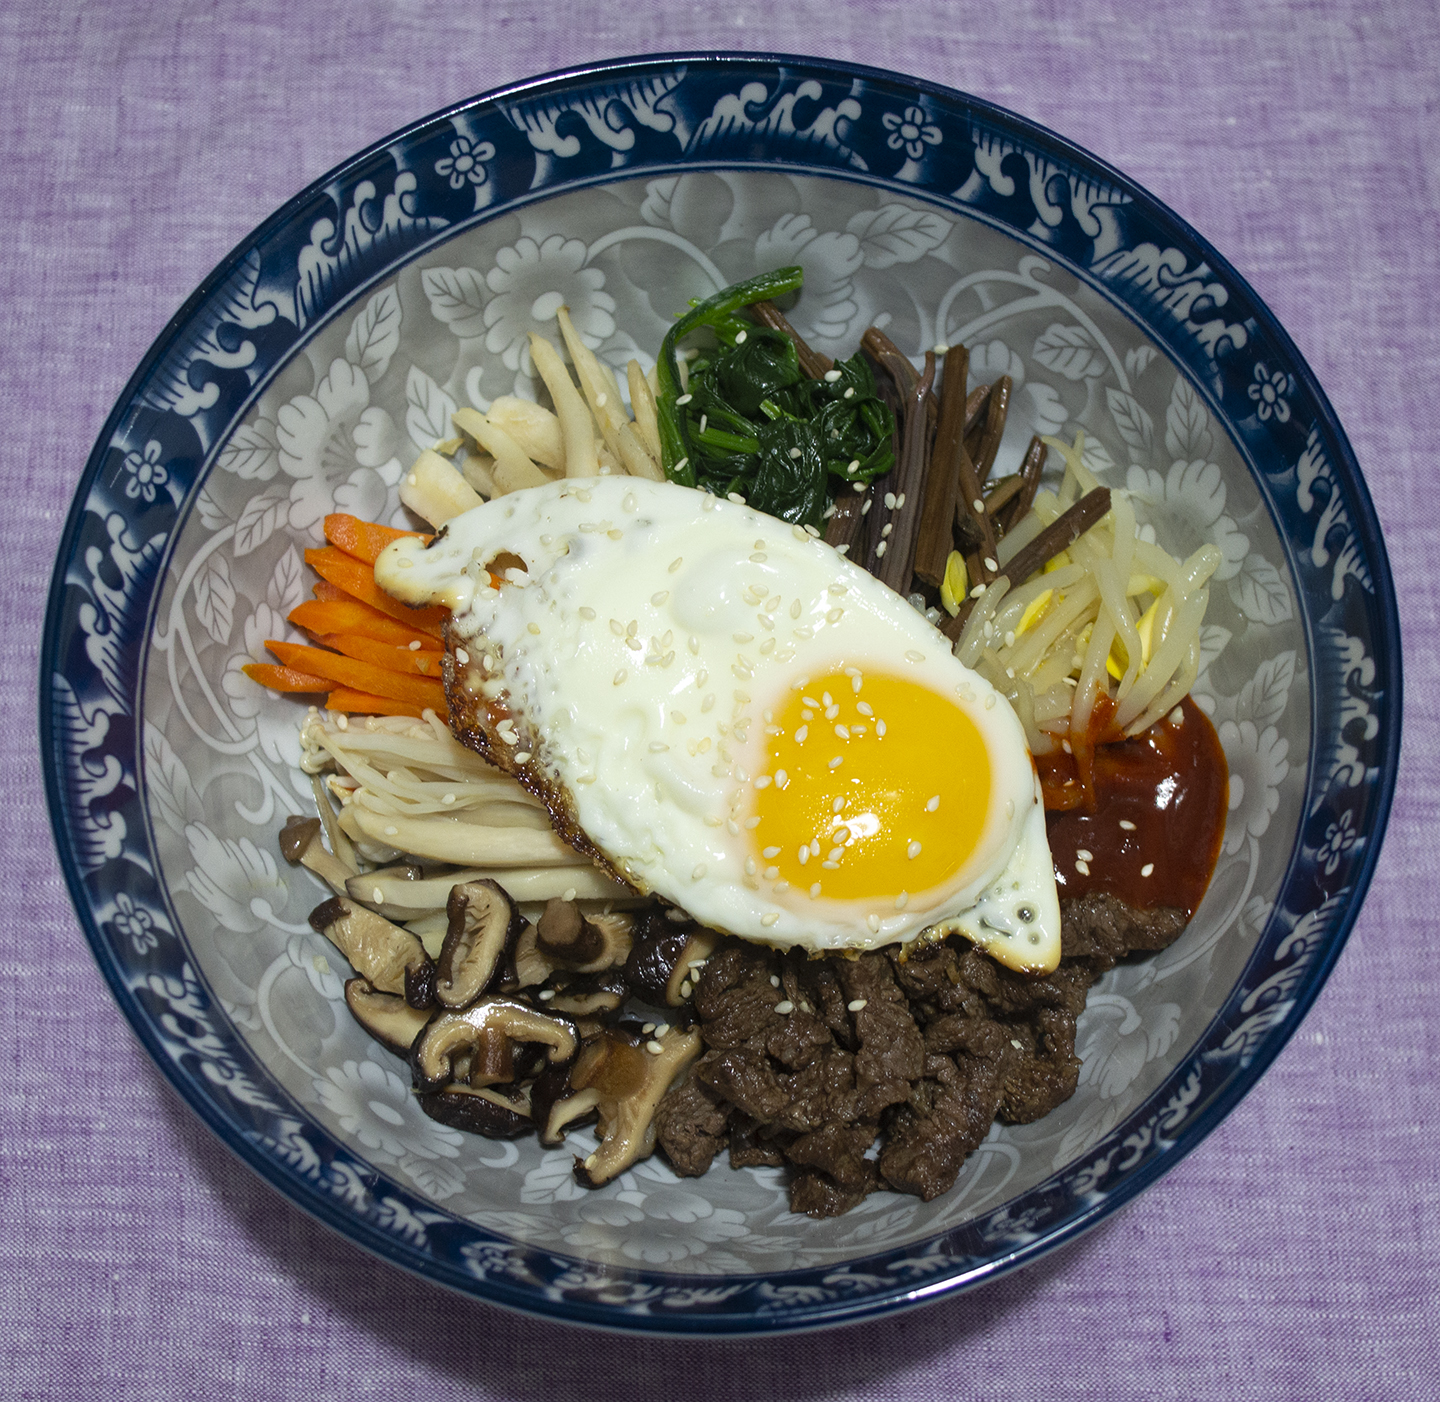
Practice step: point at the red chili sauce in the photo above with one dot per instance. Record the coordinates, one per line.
(1153, 804)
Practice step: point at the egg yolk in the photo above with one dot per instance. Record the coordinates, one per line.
(873, 787)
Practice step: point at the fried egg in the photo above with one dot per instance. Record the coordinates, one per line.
(743, 722)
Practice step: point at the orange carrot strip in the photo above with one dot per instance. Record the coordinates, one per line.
(362, 539)
(363, 676)
(347, 615)
(362, 703)
(419, 662)
(358, 580)
(284, 678)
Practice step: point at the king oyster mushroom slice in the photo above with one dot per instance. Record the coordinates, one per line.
(666, 957)
(389, 1019)
(480, 1040)
(631, 1071)
(484, 925)
(300, 845)
(583, 944)
(387, 957)
(497, 1114)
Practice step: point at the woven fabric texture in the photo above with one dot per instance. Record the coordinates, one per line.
(1296, 1254)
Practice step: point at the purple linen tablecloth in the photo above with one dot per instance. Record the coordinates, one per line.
(1294, 1255)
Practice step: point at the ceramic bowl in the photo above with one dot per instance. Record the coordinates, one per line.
(314, 365)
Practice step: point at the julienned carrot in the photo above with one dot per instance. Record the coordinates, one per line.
(358, 580)
(363, 676)
(418, 662)
(362, 539)
(350, 616)
(284, 678)
(362, 703)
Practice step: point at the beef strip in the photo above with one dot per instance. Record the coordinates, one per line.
(941, 1042)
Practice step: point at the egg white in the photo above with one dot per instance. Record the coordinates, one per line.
(632, 653)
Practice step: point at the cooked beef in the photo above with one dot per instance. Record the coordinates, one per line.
(690, 1124)
(941, 1041)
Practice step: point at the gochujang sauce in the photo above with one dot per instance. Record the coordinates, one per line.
(1148, 830)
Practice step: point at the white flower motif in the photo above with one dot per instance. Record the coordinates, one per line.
(235, 881)
(1340, 839)
(911, 131)
(1258, 766)
(465, 162)
(678, 1224)
(375, 1106)
(334, 435)
(1190, 499)
(531, 282)
(1266, 392)
(135, 924)
(830, 261)
(146, 472)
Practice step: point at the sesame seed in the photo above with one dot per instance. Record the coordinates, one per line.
(1147, 869)
(759, 558)
(770, 873)
(1084, 855)
(795, 453)
(741, 337)
(978, 505)
(654, 1048)
(1083, 868)
(770, 919)
(533, 628)
(886, 529)
(448, 798)
(735, 497)
(801, 734)
(785, 1007)
(762, 781)
(774, 981)
(856, 1005)
(377, 895)
(879, 727)
(804, 854)
(881, 549)
(686, 988)
(902, 900)
(912, 655)
(849, 392)
(831, 376)
(618, 677)
(873, 921)
(699, 873)
(913, 851)
(751, 865)
(546, 994)
(391, 831)
(815, 891)
(864, 707)
(829, 865)
(991, 564)
(659, 597)
(704, 421)
(685, 399)
(835, 615)
(1126, 825)
(522, 756)
(977, 591)
(658, 747)
(890, 499)
(836, 762)
(856, 486)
